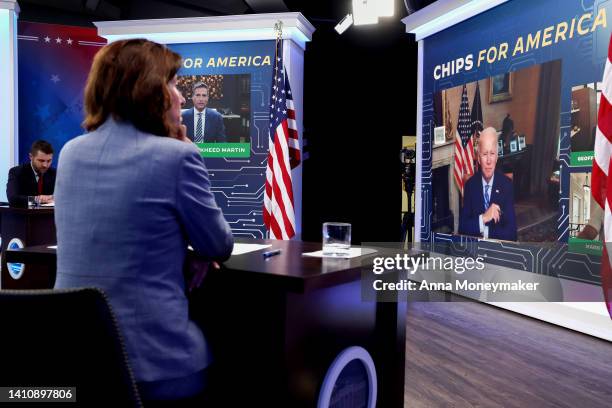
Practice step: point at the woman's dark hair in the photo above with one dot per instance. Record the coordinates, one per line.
(128, 80)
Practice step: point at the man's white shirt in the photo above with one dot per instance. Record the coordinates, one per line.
(35, 173)
(195, 121)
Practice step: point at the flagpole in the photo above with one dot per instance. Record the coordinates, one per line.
(278, 31)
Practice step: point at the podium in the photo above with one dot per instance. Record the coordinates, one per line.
(21, 227)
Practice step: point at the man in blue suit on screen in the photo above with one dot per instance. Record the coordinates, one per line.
(488, 201)
(203, 124)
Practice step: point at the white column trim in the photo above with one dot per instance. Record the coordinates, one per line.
(9, 11)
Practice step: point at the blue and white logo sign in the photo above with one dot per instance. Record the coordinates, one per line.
(350, 381)
(15, 269)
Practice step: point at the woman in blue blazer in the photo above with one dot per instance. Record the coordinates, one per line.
(131, 195)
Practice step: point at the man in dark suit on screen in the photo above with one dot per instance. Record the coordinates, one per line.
(34, 178)
(203, 124)
(488, 201)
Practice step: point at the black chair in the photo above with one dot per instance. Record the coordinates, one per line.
(67, 338)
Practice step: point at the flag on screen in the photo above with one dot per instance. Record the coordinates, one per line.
(464, 147)
(476, 116)
(448, 121)
(283, 155)
(600, 182)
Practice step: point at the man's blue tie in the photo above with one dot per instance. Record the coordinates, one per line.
(487, 197)
(199, 134)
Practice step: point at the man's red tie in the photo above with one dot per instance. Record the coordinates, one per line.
(40, 184)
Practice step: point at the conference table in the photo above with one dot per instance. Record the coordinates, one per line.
(275, 325)
(25, 227)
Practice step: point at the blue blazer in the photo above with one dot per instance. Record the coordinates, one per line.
(502, 194)
(214, 129)
(127, 205)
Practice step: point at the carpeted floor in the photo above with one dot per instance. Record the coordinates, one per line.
(544, 231)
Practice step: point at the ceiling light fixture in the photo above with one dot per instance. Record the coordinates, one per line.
(366, 12)
(344, 24)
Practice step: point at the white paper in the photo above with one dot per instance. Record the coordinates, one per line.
(240, 249)
(48, 205)
(353, 253)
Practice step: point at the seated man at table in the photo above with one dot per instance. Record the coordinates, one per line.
(34, 178)
(488, 196)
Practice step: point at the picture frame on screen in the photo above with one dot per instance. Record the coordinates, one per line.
(500, 147)
(513, 146)
(439, 135)
(521, 142)
(500, 87)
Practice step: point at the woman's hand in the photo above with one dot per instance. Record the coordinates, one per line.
(182, 134)
(197, 270)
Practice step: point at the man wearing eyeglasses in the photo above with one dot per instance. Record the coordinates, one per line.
(488, 201)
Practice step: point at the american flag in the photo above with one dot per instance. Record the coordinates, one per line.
(601, 187)
(464, 147)
(284, 155)
(476, 117)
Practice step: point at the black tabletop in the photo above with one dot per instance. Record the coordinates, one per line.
(39, 254)
(5, 209)
(294, 270)
(290, 269)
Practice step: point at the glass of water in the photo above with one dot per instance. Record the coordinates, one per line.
(336, 239)
(33, 201)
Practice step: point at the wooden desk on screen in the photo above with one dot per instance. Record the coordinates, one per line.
(31, 227)
(519, 164)
(275, 325)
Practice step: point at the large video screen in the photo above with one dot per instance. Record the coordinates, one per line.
(585, 215)
(505, 185)
(225, 103)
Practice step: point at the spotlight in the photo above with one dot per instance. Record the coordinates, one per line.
(344, 24)
(386, 8)
(366, 12)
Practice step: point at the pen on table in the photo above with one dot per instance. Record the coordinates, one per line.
(268, 254)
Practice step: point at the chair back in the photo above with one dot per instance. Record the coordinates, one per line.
(65, 338)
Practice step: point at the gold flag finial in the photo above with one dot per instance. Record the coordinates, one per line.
(278, 29)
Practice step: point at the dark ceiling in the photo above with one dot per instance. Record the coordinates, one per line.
(83, 12)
